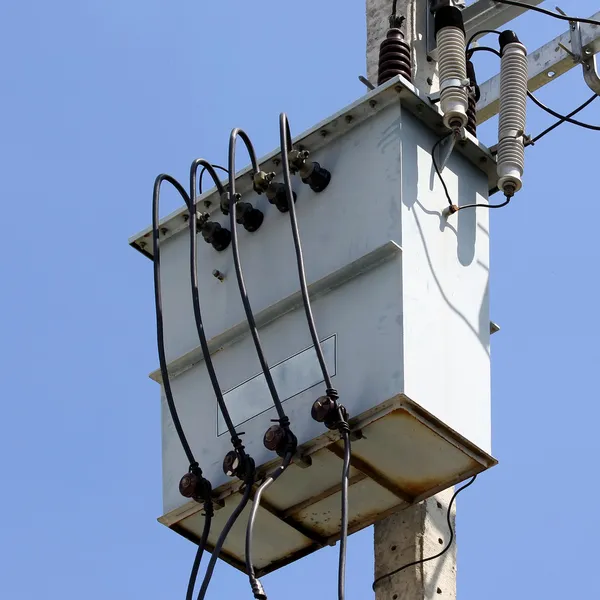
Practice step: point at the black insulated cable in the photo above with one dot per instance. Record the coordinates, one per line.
(159, 311)
(257, 588)
(283, 419)
(195, 471)
(203, 170)
(437, 169)
(479, 34)
(286, 147)
(549, 13)
(448, 545)
(483, 49)
(501, 205)
(240, 464)
(193, 225)
(198, 559)
(453, 208)
(562, 118)
(279, 438)
(249, 482)
(565, 120)
(344, 523)
(339, 420)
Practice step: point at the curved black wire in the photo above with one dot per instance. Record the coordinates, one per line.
(501, 205)
(483, 49)
(257, 588)
(480, 33)
(448, 545)
(196, 566)
(548, 12)
(235, 438)
(159, 314)
(447, 193)
(437, 169)
(563, 118)
(238, 267)
(164, 370)
(219, 545)
(202, 175)
(561, 121)
(285, 139)
(344, 535)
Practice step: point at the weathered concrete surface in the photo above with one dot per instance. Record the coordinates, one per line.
(378, 12)
(410, 535)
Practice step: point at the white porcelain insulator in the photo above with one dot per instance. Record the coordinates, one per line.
(452, 62)
(512, 119)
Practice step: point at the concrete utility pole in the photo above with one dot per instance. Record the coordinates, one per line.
(412, 535)
(420, 531)
(378, 12)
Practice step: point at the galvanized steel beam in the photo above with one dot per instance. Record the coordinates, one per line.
(487, 14)
(546, 64)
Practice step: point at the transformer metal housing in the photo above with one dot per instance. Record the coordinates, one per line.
(401, 301)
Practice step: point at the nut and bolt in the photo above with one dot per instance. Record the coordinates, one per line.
(274, 438)
(231, 463)
(218, 275)
(321, 409)
(189, 485)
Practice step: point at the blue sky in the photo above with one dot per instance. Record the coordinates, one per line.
(99, 96)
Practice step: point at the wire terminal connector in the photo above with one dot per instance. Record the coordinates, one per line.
(311, 173)
(264, 183)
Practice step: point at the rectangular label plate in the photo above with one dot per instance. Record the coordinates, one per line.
(292, 376)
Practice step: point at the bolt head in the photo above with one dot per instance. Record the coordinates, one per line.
(231, 463)
(321, 409)
(252, 220)
(189, 485)
(274, 437)
(221, 239)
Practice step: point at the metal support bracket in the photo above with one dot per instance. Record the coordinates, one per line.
(482, 14)
(446, 146)
(548, 63)
(450, 83)
(583, 56)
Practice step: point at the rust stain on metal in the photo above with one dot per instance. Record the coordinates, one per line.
(296, 508)
(313, 536)
(417, 487)
(450, 458)
(230, 559)
(364, 467)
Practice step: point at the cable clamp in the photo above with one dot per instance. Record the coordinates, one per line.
(225, 202)
(511, 134)
(261, 181)
(455, 83)
(450, 83)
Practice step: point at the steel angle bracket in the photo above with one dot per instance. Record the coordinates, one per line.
(584, 57)
(478, 15)
(446, 147)
(576, 46)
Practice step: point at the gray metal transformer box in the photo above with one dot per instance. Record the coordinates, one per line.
(400, 297)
